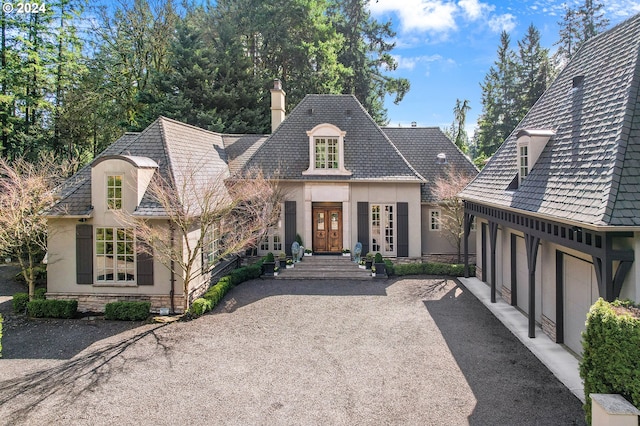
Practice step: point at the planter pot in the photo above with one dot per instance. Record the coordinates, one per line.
(275, 274)
(368, 263)
(290, 266)
(373, 274)
(346, 254)
(362, 267)
(268, 267)
(381, 268)
(308, 254)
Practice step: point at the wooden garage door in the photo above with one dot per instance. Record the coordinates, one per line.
(580, 292)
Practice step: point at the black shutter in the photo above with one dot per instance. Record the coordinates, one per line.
(144, 265)
(403, 229)
(84, 254)
(363, 226)
(289, 225)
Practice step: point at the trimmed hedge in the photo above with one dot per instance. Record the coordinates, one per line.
(19, 302)
(127, 311)
(214, 295)
(40, 293)
(433, 268)
(52, 308)
(611, 358)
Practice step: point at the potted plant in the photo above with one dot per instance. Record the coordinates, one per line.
(308, 252)
(346, 252)
(368, 261)
(362, 264)
(276, 270)
(282, 258)
(373, 271)
(378, 263)
(289, 264)
(268, 265)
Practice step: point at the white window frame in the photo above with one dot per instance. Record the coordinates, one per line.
(435, 220)
(212, 245)
(326, 132)
(102, 252)
(112, 198)
(384, 216)
(524, 161)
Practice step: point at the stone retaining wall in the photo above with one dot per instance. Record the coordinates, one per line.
(89, 302)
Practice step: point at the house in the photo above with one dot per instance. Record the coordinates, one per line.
(347, 180)
(558, 205)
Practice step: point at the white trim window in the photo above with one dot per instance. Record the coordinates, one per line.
(326, 151)
(114, 192)
(523, 161)
(434, 219)
(271, 242)
(115, 255)
(383, 229)
(212, 245)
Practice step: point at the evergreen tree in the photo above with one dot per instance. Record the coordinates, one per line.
(534, 71)
(577, 26)
(457, 132)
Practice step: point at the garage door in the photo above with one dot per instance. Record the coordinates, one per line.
(522, 277)
(580, 292)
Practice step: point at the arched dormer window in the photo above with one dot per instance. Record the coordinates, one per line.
(326, 151)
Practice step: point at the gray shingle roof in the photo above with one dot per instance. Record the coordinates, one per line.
(240, 148)
(179, 150)
(589, 172)
(420, 146)
(368, 152)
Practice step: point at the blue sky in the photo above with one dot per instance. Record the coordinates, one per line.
(445, 48)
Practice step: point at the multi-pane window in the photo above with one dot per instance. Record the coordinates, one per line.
(264, 244)
(114, 192)
(212, 245)
(434, 220)
(326, 151)
(524, 161)
(383, 228)
(277, 243)
(271, 242)
(115, 255)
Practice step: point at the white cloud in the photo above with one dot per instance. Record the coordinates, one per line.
(441, 17)
(499, 23)
(410, 63)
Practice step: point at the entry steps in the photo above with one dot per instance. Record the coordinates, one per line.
(336, 267)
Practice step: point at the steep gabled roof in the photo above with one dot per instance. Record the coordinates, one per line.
(589, 172)
(368, 152)
(421, 147)
(178, 149)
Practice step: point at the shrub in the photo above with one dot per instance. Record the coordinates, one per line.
(299, 239)
(434, 268)
(270, 257)
(200, 306)
(52, 308)
(20, 301)
(391, 269)
(378, 258)
(40, 294)
(245, 273)
(611, 358)
(127, 311)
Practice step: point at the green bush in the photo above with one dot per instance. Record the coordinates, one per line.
(270, 257)
(391, 269)
(611, 358)
(40, 294)
(52, 308)
(433, 268)
(378, 258)
(200, 306)
(127, 311)
(20, 301)
(245, 273)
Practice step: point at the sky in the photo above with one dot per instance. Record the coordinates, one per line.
(445, 48)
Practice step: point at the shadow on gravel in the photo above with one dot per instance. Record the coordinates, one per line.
(510, 384)
(263, 288)
(68, 380)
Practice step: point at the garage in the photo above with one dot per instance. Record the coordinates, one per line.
(579, 293)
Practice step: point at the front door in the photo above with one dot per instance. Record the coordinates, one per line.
(327, 228)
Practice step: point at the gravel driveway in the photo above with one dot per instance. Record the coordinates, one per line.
(405, 351)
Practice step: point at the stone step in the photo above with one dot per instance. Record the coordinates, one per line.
(325, 267)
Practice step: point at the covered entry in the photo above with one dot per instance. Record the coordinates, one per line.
(327, 227)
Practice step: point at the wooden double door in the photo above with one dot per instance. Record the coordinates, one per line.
(327, 227)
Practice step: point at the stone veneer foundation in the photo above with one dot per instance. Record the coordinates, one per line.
(549, 328)
(88, 302)
(506, 294)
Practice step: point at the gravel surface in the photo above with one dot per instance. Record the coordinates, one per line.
(406, 351)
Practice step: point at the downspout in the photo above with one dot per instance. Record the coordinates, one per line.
(172, 267)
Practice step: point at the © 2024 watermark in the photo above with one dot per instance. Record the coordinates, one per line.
(24, 7)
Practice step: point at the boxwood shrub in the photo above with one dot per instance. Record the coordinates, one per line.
(40, 293)
(52, 308)
(20, 301)
(433, 268)
(611, 357)
(127, 311)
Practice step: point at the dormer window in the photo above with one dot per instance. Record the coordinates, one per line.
(114, 192)
(530, 144)
(326, 151)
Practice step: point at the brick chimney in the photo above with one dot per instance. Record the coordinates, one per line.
(277, 105)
